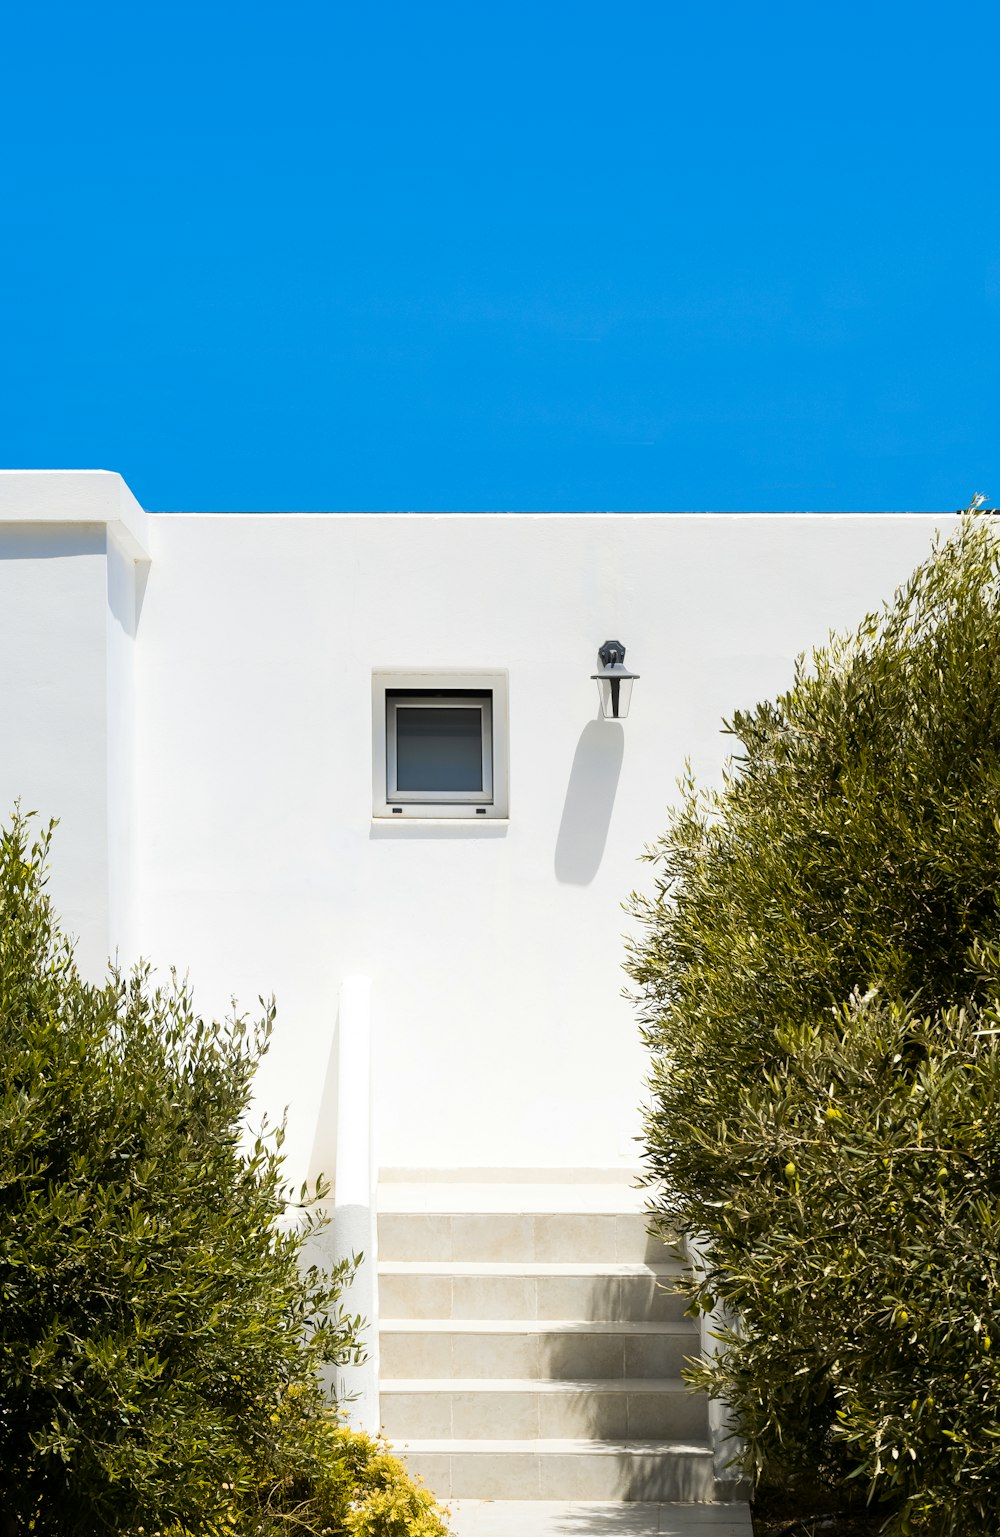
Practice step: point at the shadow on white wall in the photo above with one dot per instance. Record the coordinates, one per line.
(590, 800)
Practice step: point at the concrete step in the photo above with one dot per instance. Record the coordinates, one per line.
(561, 1469)
(559, 1236)
(595, 1518)
(537, 1348)
(512, 1193)
(534, 1219)
(627, 1408)
(530, 1289)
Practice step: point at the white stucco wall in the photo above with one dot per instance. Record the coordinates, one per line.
(501, 1035)
(191, 694)
(72, 561)
(53, 709)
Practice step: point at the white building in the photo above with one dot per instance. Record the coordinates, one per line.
(212, 706)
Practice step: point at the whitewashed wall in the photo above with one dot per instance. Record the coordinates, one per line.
(71, 561)
(236, 728)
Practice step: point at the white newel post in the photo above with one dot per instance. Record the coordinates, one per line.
(354, 1208)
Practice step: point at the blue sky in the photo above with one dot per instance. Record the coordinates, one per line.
(549, 255)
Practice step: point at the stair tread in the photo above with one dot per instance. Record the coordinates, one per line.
(567, 1385)
(553, 1447)
(628, 1175)
(597, 1518)
(507, 1199)
(487, 1268)
(538, 1326)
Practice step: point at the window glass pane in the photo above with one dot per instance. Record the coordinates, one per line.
(438, 749)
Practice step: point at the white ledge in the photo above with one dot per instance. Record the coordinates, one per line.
(66, 497)
(409, 821)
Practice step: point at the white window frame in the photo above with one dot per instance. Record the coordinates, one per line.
(441, 688)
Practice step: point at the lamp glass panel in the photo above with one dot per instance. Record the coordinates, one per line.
(616, 695)
(439, 748)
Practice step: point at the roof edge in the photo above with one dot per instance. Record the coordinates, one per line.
(76, 496)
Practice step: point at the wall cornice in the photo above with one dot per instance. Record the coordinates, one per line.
(68, 497)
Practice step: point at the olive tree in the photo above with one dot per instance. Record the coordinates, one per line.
(159, 1336)
(818, 973)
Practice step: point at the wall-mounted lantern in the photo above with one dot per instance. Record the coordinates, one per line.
(614, 681)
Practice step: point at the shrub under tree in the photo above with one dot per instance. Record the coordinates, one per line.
(819, 978)
(160, 1339)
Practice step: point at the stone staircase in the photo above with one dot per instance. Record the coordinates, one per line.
(527, 1349)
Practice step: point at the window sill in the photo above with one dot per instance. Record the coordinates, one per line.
(407, 821)
(438, 827)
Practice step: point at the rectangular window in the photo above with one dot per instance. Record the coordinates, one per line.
(440, 747)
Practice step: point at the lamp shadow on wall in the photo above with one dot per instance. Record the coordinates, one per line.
(590, 800)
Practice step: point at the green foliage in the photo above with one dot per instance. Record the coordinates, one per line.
(819, 975)
(386, 1502)
(352, 1484)
(154, 1312)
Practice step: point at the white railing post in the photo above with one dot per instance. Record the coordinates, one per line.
(354, 1201)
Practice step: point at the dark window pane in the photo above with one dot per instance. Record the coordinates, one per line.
(438, 749)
